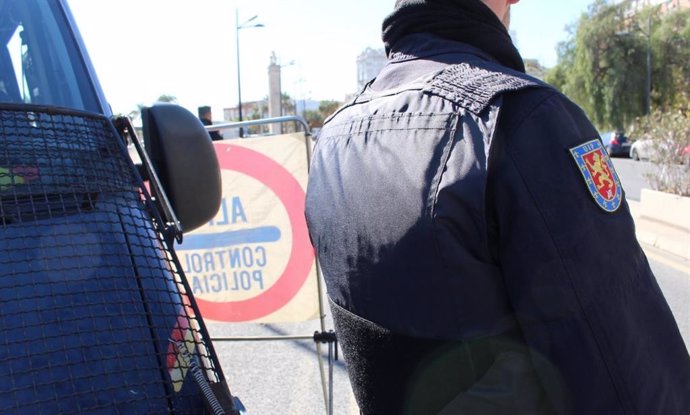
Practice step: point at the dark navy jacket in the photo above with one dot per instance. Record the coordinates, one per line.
(466, 255)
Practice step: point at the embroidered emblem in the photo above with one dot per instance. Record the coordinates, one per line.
(600, 176)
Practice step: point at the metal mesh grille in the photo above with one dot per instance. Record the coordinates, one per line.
(90, 295)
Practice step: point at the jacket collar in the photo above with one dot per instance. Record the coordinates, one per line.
(431, 47)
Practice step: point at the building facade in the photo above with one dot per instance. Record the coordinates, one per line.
(369, 63)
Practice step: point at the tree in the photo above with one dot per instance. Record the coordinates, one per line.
(287, 103)
(670, 42)
(315, 119)
(326, 108)
(258, 111)
(559, 75)
(167, 98)
(594, 67)
(603, 66)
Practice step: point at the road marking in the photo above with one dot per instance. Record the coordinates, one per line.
(667, 259)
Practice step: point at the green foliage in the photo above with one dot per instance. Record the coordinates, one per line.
(603, 66)
(326, 108)
(557, 77)
(598, 68)
(257, 112)
(315, 119)
(288, 104)
(671, 45)
(167, 98)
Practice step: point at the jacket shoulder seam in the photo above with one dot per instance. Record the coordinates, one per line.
(474, 87)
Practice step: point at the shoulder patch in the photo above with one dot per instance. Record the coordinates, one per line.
(600, 176)
(474, 87)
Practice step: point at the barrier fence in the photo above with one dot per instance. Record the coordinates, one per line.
(254, 263)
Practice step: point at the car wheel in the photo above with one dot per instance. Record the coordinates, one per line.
(635, 156)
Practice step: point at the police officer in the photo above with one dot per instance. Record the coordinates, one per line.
(206, 117)
(463, 213)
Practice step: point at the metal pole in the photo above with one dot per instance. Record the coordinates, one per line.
(239, 26)
(648, 107)
(263, 121)
(324, 388)
(331, 350)
(239, 83)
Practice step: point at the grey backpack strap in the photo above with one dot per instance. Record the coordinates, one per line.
(474, 87)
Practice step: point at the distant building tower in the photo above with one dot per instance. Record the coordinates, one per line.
(369, 63)
(274, 93)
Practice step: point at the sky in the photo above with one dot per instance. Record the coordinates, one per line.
(142, 49)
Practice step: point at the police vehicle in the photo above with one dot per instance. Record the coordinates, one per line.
(95, 313)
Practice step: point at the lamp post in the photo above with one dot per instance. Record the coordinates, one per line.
(648, 86)
(239, 26)
(275, 92)
(648, 77)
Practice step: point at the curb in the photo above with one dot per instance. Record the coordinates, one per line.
(659, 233)
(667, 208)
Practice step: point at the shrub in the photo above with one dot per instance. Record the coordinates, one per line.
(669, 133)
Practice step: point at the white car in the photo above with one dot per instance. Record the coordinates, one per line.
(655, 150)
(642, 150)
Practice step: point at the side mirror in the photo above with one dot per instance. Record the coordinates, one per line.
(185, 161)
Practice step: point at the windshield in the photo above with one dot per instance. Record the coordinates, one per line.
(39, 61)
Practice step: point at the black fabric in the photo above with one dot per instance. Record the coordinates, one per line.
(214, 134)
(467, 21)
(397, 202)
(394, 374)
(383, 365)
(475, 88)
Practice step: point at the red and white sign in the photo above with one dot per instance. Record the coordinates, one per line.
(254, 261)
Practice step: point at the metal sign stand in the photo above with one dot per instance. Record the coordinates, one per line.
(319, 337)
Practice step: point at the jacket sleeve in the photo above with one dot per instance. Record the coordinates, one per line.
(602, 335)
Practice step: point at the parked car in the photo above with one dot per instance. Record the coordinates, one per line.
(648, 149)
(616, 143)
(641, 150)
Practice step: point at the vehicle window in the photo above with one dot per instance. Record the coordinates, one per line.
(39, 60)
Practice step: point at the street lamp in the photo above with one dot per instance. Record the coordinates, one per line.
(239, 26)
(648, 80)
(649, 64)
